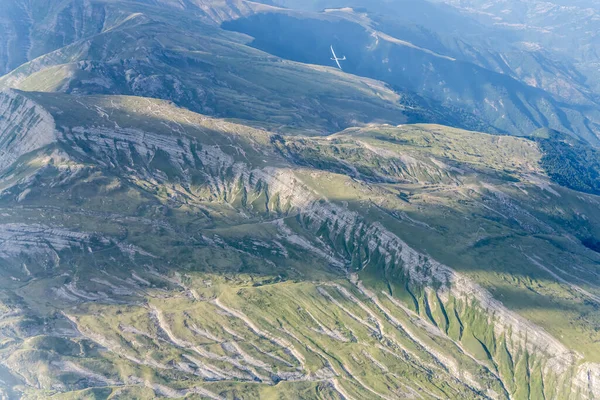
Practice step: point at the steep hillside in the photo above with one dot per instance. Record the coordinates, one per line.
(176, 51)
(568, 28)
(515, 91)
(31, 28)
(554, 39)
(168, 54)
(154, 252)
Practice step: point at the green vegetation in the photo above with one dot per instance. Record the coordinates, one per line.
(570, 162)
(154, 252)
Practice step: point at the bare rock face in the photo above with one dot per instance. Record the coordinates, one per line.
(24, 127)
(20, 238)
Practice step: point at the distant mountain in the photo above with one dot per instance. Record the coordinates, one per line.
(511, 84)
(569, 30)
(193, 63)
(458, 79)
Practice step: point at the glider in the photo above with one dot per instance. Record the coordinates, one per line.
(336, 59)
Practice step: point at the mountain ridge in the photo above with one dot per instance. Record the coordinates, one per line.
(285, 190)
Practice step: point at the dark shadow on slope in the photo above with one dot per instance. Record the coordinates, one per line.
(569, 161)
(456, 84)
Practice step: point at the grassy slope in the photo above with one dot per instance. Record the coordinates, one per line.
(487, 219)
(478, 203)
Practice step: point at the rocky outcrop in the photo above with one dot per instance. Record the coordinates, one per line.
(24, 127)
(425, 272)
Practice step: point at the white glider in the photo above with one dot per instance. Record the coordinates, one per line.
(336, 59)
